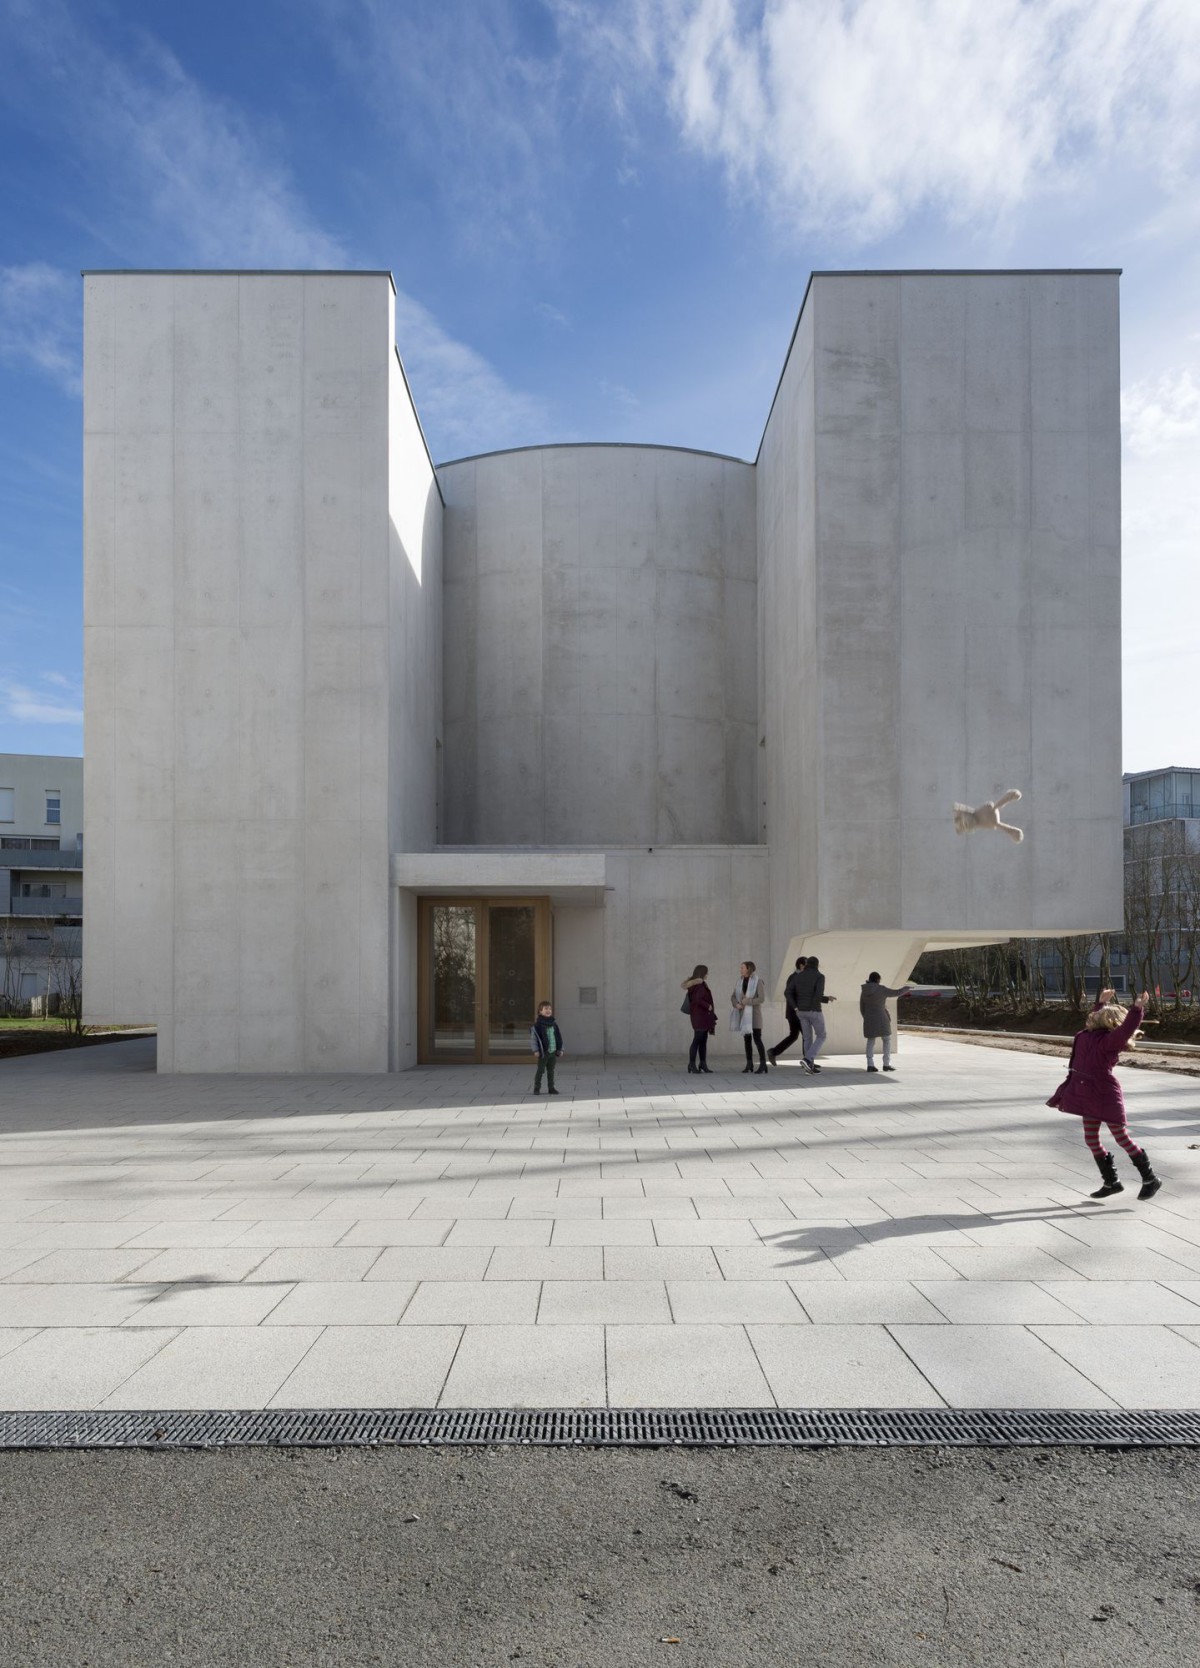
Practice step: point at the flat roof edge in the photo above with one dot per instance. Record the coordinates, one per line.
(237, 272)
(593, 445)
(970, 272)
(922, 272)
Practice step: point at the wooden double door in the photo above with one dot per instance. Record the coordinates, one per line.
(484, 967)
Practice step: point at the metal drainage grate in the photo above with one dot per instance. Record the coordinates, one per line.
(607, 1427)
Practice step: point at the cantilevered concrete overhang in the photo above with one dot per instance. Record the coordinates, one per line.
(574, 878)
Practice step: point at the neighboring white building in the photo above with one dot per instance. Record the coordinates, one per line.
(41, 872)
(380, 754)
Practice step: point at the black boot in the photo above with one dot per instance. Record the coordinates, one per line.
(762, 1070)
(1150, 1182)
(1107, 1167)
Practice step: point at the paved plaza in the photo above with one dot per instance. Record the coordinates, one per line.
(442, 1238)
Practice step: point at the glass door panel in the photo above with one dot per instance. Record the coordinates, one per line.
(484, 965)
(511, 978)
(454, 981)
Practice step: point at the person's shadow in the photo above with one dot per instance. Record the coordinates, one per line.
(810, 1244)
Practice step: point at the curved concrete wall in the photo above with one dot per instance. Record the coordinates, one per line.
(600, 662)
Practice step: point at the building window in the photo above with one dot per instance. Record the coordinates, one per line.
(7, 799)
(53, 809)
(42, 843)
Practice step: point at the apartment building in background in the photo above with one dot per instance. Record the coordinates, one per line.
(41, 873)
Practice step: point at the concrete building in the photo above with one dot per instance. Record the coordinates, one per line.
(41, 876)
(378, 753)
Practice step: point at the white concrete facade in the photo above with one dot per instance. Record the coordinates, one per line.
(262, 550)
(747, 695)
(939, 548)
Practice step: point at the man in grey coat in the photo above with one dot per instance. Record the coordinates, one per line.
(877, 1022)
(809, 999)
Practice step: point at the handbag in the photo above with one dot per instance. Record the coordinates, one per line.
(685, 1007)
(1058, 1100)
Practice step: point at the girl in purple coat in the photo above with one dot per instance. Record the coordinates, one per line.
(700, 1007)
(1093, 1093)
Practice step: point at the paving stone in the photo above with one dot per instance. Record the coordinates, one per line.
(317, 1262)
(75, 1367)
(706, 1302)
(528, 1366)
(862, 1302)
(473, 1303)
(840, 1366)
(601, 1302)
(673, 1262)
(401, 1262)
(552, 1262)
(211, 1305)
(1000, 1302)
(74, 1267)
(231, 1366)
(1122, 1303)
(63, 1305)
(684, 1366)
(1138, 1366)
(999, 1366)
(371, 1366)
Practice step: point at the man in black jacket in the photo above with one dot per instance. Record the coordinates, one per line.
(809, 998)
(789, 1008)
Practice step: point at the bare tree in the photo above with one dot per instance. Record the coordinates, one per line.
(64, 977)
(13, 956)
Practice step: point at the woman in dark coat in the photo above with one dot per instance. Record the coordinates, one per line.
(1093, 1093)
(703, 1013)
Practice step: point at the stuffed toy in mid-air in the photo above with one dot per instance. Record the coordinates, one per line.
(987, 816)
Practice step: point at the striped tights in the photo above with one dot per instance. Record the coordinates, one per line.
(1119, 1131)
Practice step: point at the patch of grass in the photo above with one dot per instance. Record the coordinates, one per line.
(13, 1023)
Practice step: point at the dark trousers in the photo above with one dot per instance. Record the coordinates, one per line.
(698, 1052)
(793, 1020)
(546, 1063)
(753, 1040)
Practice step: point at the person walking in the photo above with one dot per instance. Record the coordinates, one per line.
(789, 1009)
(699, 1005)
(1091, 1090)
(748, 997)
(877, 1021)
(810, 1000)
(546, 1040)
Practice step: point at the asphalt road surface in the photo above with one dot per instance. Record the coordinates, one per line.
(435, 1558)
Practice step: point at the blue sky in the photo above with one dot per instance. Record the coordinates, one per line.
(601, 216)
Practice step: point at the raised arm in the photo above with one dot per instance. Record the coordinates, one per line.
(1128, 1026)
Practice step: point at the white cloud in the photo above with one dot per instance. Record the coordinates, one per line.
(39, 308)
(185, 173)
(62, 704)
(472, 94)
(620, 395)
(1161, 412)
(168, 160)
(853, 115)
(465, 405)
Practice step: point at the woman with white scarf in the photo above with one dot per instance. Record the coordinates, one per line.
(748, 997)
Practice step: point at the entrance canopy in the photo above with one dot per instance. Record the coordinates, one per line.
(574, 878)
